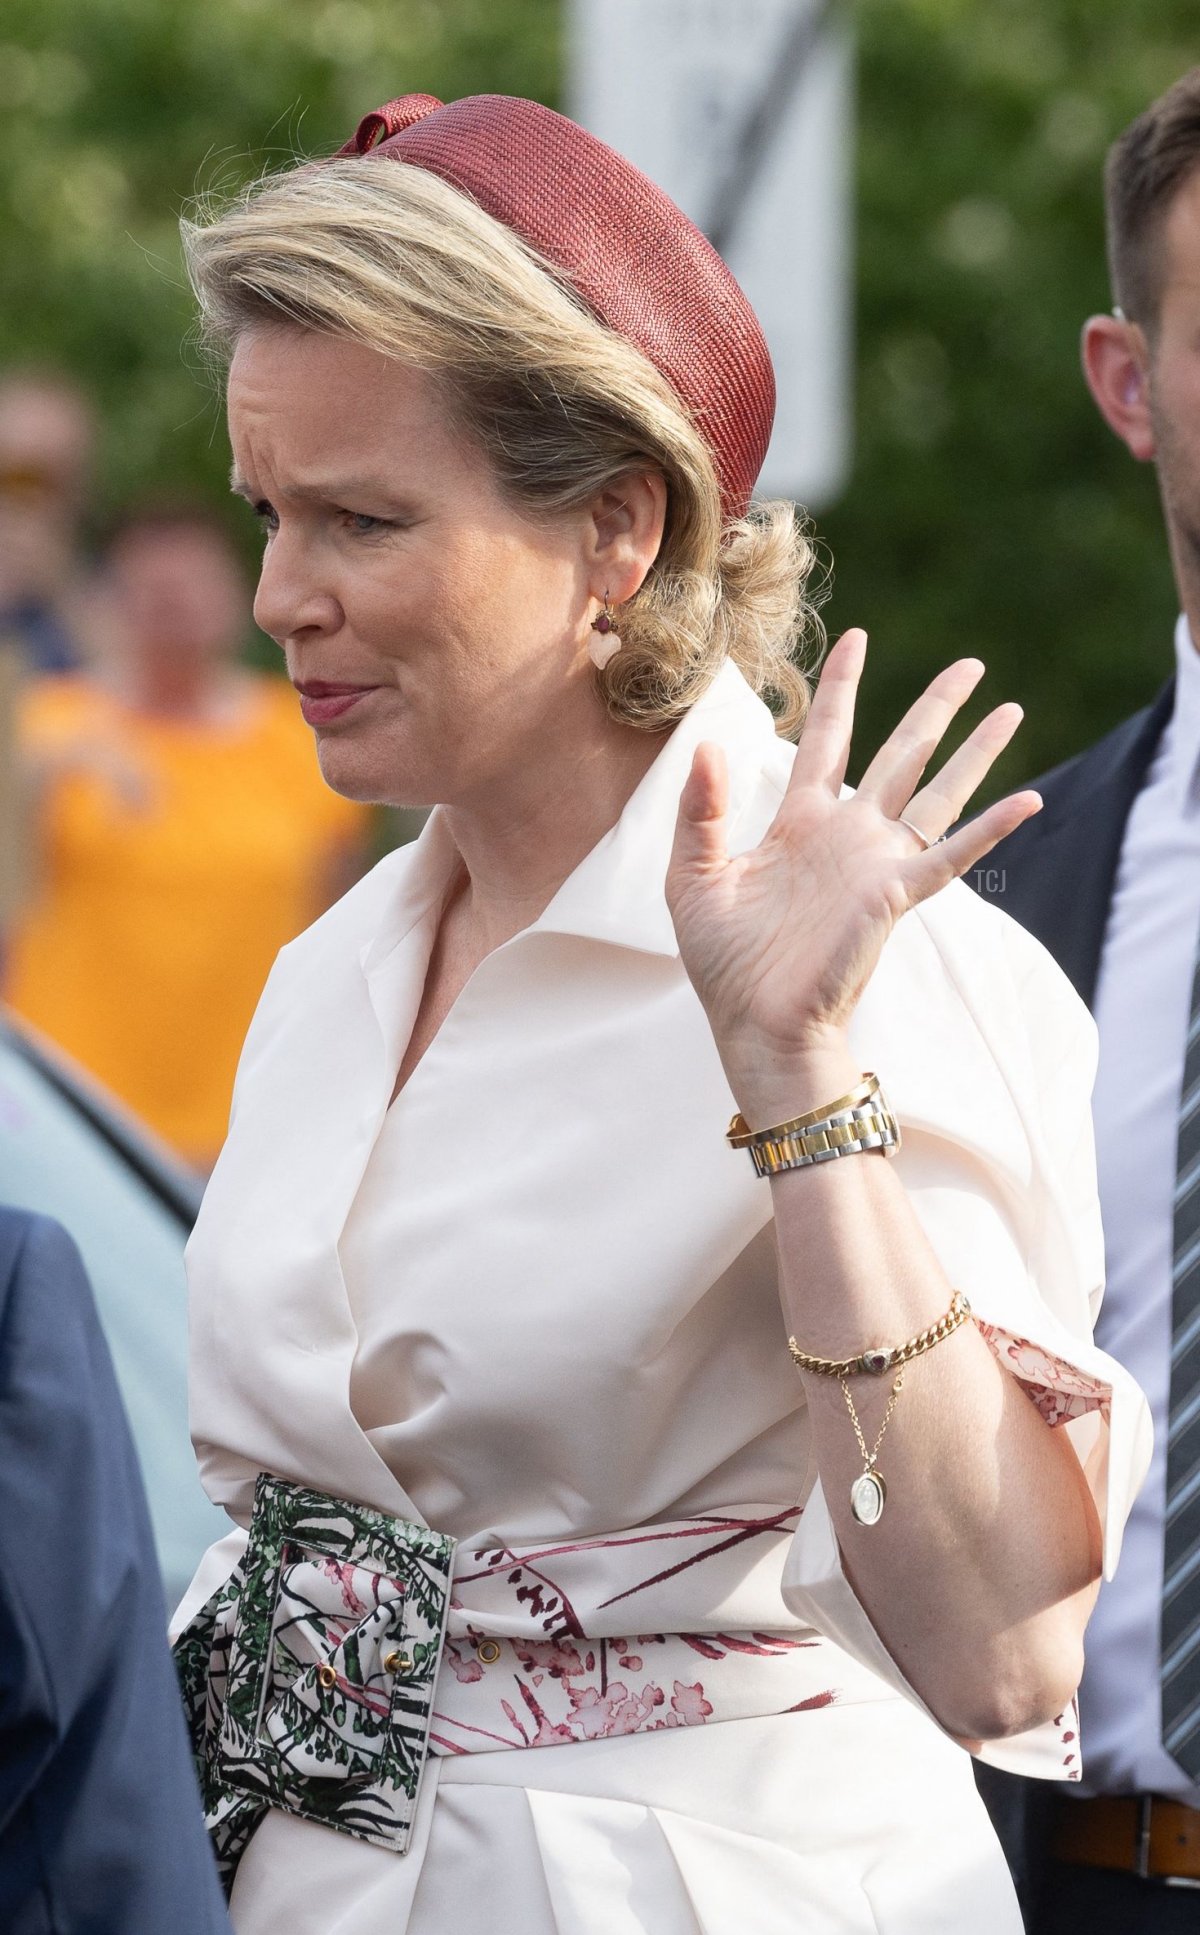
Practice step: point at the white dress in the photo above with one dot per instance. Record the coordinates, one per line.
(533, 1305)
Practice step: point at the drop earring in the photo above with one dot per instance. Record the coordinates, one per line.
(607, 643)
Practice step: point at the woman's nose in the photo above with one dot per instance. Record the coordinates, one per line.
(291, 598)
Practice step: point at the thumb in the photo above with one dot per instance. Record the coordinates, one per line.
(700, 828)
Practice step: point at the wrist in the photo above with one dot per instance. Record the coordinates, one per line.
(776, 1087)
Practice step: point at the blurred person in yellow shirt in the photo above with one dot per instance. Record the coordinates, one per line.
(182, 834)
(49, 609)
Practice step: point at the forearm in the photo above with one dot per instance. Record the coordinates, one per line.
(981, 1571)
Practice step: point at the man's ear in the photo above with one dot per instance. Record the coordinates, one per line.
(1116, 365)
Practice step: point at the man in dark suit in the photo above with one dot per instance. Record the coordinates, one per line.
(1108, 877)
(100, 1825)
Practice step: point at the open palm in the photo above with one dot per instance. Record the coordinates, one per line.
(780, 942)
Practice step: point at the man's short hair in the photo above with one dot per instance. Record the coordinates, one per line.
(1146, 167)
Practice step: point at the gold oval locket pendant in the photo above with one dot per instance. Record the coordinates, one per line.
(867, 1496)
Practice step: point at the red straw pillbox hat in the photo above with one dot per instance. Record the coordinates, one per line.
(634, 258)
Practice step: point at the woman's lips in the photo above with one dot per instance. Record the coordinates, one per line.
(321, 703)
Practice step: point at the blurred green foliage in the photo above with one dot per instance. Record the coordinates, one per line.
(114, 113)
(989, 511)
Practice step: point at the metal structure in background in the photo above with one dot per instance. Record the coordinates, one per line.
(742, 110)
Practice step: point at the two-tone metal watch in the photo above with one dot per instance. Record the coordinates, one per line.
(854, 1124)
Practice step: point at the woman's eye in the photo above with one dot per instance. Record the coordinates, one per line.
(360, 522)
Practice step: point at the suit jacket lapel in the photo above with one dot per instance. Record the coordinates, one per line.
(1055, 874)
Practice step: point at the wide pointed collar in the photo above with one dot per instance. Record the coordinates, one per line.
(420, 874)
(616, 893)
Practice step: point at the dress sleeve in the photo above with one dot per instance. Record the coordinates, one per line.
(989, 1057)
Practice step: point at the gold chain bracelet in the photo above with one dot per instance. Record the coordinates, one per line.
(880, 1358)
(868, 1493)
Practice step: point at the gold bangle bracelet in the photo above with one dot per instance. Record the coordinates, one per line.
(740, 1135)
(882, 1357)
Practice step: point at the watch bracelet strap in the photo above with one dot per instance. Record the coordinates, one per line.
(853, 1132)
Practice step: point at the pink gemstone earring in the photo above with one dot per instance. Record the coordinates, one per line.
(605, 646)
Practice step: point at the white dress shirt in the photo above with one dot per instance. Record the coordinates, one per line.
(1142, 1007)
(534, 1304)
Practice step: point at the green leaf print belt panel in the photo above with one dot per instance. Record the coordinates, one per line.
(308, 1678)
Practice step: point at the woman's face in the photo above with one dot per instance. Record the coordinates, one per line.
(435, 634)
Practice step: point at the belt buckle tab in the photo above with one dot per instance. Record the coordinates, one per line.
(1142, 1862)
(1141, 1856)
(333, 1654)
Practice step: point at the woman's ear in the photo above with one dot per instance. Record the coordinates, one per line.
(625, 531)
(1116, 364)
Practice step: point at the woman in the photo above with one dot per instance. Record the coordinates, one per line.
(491, 1327)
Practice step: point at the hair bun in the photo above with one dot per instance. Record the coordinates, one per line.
(392, 118)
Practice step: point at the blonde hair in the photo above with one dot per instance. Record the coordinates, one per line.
(388, 255)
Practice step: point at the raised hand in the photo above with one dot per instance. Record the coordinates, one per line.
(780, 942)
